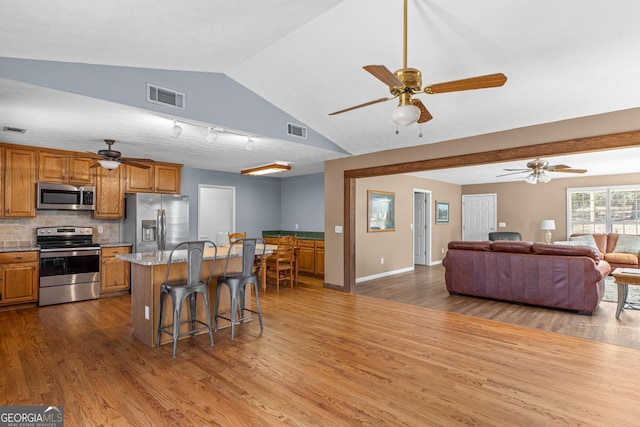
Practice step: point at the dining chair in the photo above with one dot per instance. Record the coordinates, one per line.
(180, 290)
(235, 236)
(281, 264)
(252, 251)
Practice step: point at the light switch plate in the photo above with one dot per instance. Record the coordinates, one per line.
(502, 224)
(338, 229)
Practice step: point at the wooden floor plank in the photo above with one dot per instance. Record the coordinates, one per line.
(324, 358)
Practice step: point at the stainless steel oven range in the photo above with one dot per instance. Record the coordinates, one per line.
(69, 264)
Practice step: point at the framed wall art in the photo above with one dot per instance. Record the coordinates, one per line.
(381, 211)
(442, 212)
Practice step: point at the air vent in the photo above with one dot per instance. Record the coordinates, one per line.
(167, 97)
(297, 131)
(12, 129)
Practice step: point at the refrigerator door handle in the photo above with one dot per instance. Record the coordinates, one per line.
(162, 230)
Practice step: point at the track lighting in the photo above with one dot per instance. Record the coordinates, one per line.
(176, 130)
(250, 144)
(212, 135)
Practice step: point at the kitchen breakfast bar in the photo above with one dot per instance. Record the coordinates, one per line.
(148, 272)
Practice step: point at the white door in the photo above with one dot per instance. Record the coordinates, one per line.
(216, 212)
(421, 231)
(478, 216)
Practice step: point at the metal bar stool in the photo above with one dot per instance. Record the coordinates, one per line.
(179, 290)
(237, 281)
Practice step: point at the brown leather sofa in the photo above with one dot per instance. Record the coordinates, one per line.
(607, 247)
(540, 274)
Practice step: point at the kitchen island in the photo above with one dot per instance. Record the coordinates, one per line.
(148, 272)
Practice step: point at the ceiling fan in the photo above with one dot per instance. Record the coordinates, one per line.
(112, 159)
(538, 168)
(406, 82)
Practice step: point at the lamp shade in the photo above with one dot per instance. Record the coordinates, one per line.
(109, 164)
(405, 114)
(548, 224)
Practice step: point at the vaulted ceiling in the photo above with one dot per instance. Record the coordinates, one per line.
(301, 60)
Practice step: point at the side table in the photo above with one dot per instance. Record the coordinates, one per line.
(625, 277)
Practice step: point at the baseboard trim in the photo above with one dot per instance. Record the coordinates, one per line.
(385, 274)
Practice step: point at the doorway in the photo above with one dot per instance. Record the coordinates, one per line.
(478, 216)
(216, 212)
(421, 227)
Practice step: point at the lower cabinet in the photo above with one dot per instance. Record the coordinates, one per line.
(306, 256)
(19, 277)
(114, 273)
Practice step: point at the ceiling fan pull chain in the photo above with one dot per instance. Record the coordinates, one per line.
(397, 131)
(420, 134)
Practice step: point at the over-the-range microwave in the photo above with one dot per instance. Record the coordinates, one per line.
(66, 196)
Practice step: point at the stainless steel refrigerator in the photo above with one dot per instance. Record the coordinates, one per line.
(155, 221)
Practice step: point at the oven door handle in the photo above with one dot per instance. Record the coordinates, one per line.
(75, 252)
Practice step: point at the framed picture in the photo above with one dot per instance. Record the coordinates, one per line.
(381, 211)
(442, 212)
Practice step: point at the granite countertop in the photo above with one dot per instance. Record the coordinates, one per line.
(304, 235)
(162, 257)
(114, 244)
(19, 248)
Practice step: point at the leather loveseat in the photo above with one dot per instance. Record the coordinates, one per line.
(619, 250)
(540, 274)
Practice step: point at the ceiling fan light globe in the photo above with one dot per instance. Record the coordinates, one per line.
(109, 164)
(544, 178)
(531, 179)
(405, 115)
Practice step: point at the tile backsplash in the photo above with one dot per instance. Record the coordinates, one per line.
(21, 232)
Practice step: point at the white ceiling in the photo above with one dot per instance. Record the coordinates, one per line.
(563, 59)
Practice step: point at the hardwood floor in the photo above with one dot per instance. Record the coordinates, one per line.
(324, 358)
(425, 287)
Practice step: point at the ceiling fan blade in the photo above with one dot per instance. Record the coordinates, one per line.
(425, 115)
(135, 164)
(383, 74)
(517, 170)
(557, 167)
(482, 82)
(569, 170)
(362, 105)
(513, 173)
(95, 165)
(89, 155)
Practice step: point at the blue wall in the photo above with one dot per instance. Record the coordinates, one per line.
(262, 203)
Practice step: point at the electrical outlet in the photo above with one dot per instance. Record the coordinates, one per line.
(146, 312)
(381, 260)
(296, 226)
(442, 250)
(100, 229)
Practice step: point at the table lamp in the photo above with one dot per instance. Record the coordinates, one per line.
(547, 225)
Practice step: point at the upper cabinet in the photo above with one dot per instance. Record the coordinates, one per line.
(19, 189)
(53, 166)
(158, 178)
(109, 194)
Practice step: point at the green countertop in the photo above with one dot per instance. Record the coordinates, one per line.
(305, 235)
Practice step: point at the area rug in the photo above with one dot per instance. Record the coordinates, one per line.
(611, 292)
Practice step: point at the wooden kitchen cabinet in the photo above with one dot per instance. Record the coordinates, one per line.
(319, 260)
(114, 273)
(109, 194)
(54, 167)
(19, 190)
(19, 277)
(159, 178)
(306, 256)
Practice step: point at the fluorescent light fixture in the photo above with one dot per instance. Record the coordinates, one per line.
(109, 164)
(266, 169)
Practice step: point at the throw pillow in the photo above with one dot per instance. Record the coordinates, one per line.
(586, 239)
(627, 244)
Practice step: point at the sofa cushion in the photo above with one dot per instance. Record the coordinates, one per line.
(511, 246)
(586, 239)
(627, 244)
(603, 240)
(470, 245)
(551, 249)
(621, 258)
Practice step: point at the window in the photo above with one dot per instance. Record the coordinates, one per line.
(604, 210)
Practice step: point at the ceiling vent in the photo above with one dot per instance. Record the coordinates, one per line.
(297, 131)
(12, 129)
(166, 97)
